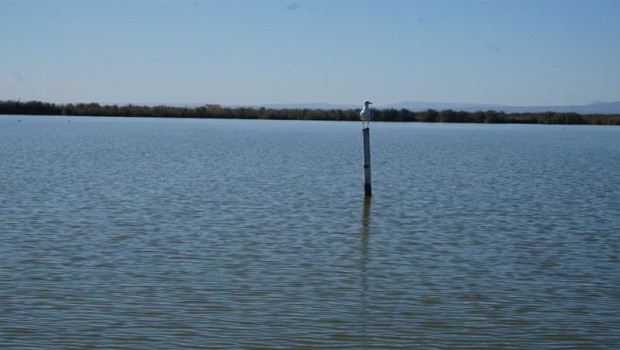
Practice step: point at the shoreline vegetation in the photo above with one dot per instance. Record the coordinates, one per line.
(217, 112)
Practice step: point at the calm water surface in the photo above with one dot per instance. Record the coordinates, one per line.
(120, 233)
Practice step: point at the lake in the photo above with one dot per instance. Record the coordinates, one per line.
(121, 233)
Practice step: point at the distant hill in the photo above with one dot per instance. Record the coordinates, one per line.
(592, 108)
(416, 106)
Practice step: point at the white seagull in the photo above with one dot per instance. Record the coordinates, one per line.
(365, 114)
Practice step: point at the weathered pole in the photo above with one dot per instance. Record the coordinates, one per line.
(367, 185)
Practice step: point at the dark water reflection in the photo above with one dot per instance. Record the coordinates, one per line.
(151, 233)
(363, 267)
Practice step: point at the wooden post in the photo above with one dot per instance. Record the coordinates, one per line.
(367, 186)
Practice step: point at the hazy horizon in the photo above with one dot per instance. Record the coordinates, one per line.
(525, 53)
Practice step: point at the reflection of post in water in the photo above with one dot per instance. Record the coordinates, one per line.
(364, 247)
(362, 265)
(366, 213)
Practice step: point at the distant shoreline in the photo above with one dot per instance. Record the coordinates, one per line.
(386, 115)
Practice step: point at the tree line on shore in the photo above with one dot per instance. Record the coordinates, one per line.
(387, 115)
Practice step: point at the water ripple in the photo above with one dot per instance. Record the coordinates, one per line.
(206, 234)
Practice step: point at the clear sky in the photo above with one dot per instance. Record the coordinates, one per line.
(514, 52)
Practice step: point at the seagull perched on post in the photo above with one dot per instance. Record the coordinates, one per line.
(365, 114)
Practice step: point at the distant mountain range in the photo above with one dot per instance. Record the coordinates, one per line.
(592, 108)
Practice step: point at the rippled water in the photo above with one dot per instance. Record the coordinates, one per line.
(169, 234)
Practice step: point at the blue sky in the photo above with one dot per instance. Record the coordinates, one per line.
(519, 52)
